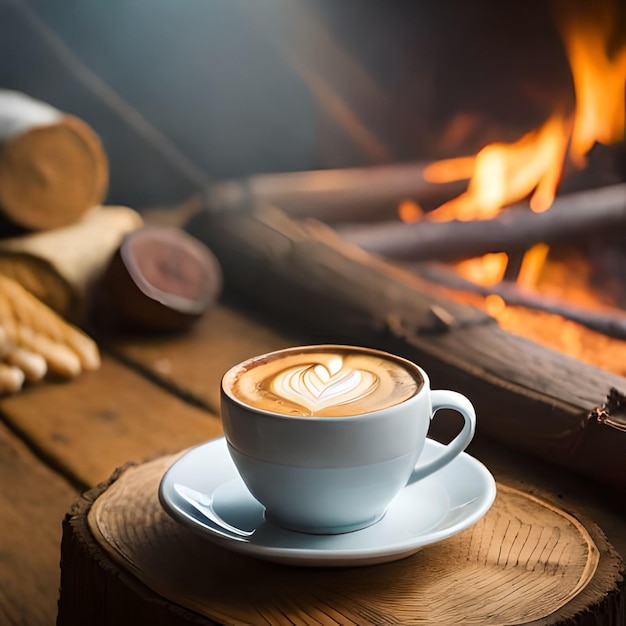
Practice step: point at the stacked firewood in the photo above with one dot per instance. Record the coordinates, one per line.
(55, 239)
(64, 254)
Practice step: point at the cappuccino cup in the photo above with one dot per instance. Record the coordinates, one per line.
(325, 436)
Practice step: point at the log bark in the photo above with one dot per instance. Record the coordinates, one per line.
(53, 168)
(124, 561)
(572, 217)
(62, 266)
(302, 275)
(341, 195)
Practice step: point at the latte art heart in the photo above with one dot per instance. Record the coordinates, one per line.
(322, 381)
(316, 387)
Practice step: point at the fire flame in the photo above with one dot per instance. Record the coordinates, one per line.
(532, 263)
(599, 84)
(486, 270)
(501, 174)
(531, 167)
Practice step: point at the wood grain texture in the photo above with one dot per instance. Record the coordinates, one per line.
(526, 561)
(89, 426)
(33, 501)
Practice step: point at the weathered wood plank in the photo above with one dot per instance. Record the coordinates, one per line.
(194, 362)
(33, 501)
(89, 426)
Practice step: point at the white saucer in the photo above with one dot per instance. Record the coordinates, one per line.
(202, 490)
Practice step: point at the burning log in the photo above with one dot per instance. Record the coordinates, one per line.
(527, 396)
(612, 324)
(335, 195)
(570, 217)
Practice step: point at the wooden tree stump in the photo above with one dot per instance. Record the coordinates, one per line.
(125, 561)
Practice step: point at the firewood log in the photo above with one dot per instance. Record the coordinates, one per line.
(573, 216)
(160, 279)
(53, 168)
(62, 266)
(340, 195)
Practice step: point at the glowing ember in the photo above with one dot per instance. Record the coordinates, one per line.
(495, 305)
(485, 270)
(566, 280)
(532, 264)
(409, 211)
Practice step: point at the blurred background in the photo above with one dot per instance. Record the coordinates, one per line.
(195, 90)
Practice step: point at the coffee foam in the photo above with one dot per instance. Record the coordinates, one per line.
(324, 382)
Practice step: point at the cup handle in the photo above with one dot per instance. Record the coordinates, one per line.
(443, 399)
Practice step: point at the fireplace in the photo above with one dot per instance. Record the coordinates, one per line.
(547, 122)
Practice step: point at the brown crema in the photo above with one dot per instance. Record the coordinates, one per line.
(323, 381)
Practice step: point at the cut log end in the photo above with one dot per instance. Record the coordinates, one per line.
(163, 279)
(50, 176)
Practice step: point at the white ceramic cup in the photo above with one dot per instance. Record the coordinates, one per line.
(328, 475)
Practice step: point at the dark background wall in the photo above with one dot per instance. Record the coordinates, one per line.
(245, 86)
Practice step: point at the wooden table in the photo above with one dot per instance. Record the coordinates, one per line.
(155, 396)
